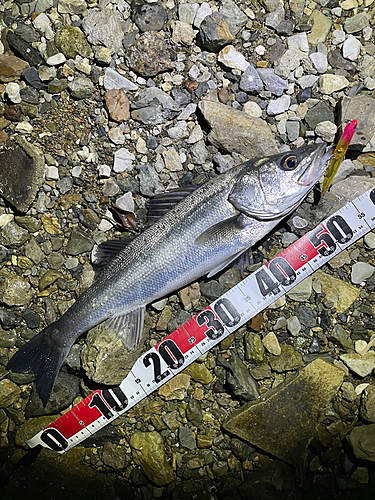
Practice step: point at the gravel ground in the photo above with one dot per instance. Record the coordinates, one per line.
(104, 105)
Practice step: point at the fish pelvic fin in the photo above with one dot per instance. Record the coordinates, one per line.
(128, 326)
(42, 355)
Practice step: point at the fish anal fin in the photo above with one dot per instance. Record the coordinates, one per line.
(224, 264)
(128, 326)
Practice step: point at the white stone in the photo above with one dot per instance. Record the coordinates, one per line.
(278, 106)
(291, 59)
(349, 4)
(369, 83)
(203, 11)
(51, 173)
(123, 161)
(105, 224)
(369, 240)
(338, 36)
(351, 48)
(367, 33)
(194, 72)
(307, 81)
(326, 130)
(116, 135)
(319, 61)
(271, 343)
(189, 110)
(332, 83)
(56, 59)
(76, 171)
(13, 91)
(299, 41)
(104, 171)
(260, 50)
(5, 218)
(24, 127)
(41, 22)
(126, 202)
(253, 109)
(231, 58)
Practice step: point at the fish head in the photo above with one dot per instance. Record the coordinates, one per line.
(271, 187)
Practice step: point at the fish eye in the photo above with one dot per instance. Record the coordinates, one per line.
(289, 162)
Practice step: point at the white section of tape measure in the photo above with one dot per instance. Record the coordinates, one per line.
(248, 300)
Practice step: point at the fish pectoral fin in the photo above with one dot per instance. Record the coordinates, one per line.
(221, 232)
(128, 326)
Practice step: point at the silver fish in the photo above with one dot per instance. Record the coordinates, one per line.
(200, 236)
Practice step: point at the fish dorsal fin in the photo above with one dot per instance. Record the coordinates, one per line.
(128, 326)
(102, 254)
(164, 202)
(221, 232)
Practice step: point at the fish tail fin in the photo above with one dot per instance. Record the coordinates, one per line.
(43, 355)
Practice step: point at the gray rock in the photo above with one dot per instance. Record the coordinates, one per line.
(79, 242)
(113, 80)
(81, 87)
(215, 32)
(363, 107)
(150, 17)
(237, 132)
(332, 83)
(199, 153)
(12, 235)
(239, 379)
(320, 112)
(152, 106)
(319, 61)
(286, 430)
(148, 55)
(194, 412)
(250, 80)
(212, 290)
(149, 183)
(72, 6)
(367, 408)
(361, 271)
(21, 173)
(7, 338)
(293, 325)
(306, 315)
(187, 438)
(292, 129)
(357, 22)
(104, 27)
(362, 440)
(340, 337)
(272, 82)
(64, 185)
(66, 389)
(361, 364)
(302, 291)
(178, 320)
(278, 106)
(233, 15)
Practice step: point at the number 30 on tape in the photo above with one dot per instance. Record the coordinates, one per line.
(214, 323)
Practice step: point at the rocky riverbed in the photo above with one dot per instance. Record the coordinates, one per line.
(102, 106)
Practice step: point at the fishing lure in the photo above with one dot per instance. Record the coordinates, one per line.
(338, 155)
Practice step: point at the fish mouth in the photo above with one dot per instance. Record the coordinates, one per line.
(316, 166)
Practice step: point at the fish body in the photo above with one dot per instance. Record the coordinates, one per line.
(338, 155)
(201, 235)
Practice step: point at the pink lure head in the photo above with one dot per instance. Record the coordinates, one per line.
(349, 131)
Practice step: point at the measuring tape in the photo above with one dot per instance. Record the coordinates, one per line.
(213, 324)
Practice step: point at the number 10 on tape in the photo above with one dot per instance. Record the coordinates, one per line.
(214, 323)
